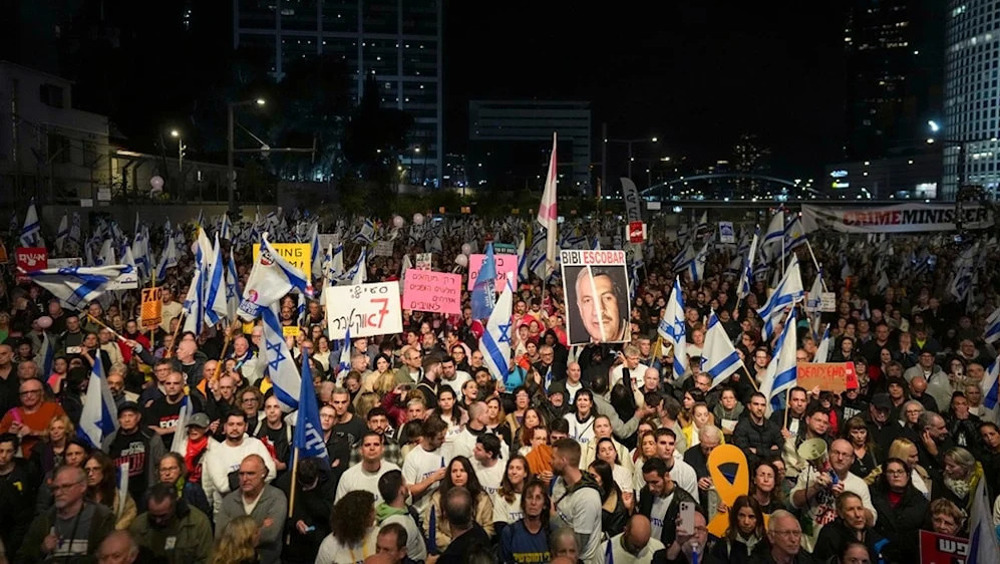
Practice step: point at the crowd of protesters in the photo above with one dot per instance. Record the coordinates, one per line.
(576, 454)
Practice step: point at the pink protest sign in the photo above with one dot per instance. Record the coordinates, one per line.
(438, 292)
(505, 264)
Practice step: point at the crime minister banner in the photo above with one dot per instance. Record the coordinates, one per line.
(595, 284)
(902, 218)
(368, 309)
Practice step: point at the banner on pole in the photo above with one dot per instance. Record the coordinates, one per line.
(30, 259)
(901, 218)
(368, 309)
(437, 292)
(297, 254)
(152, 309)
(633, 208)
(505, 264)
(595, 284)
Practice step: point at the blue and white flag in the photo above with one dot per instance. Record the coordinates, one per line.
(788, 292)
(167, 260)
(719, 357)
(180, 437)
(271, 279)
(522, 260)
(316, 251)
(216, 293)
(782, 372)
(280, 363)
(47, 355)
(99, 417)
(983, 545)
(31, 233)
(990, 386)
(815, 298)
(307, 441)
(775, 235)
(673, 328)
(367, 234)
(495, 342)
(344, 364)
(992, 332)
(225, 227)
(63, 233)
(795, 234)
(76, 286)
(695, 266)
(232, 289)
(823, 350)
(747, 280)
(484, 295)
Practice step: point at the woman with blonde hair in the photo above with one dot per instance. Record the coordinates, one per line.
(962, 473)
(237, 544)
(48, 454)
(364, 402)
(906, 450)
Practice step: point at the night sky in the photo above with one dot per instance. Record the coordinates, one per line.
(695, 73)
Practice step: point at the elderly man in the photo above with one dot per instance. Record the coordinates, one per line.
(31, 420)
(635, 544)
(784, 532)
(72, 529)
(266, 504)
(118, 548)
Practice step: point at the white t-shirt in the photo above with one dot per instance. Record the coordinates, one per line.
(418, 465)
(685, 477)
(356, 478)
(580, 511)
(658, 513)
(489, 478)
(461, 377)
(504, 512)
(572, 389)
(332, 552)
(822, 507)
(638, 374)
(415, 547)
(620, 556)
(582, 433)
(465, 442)
(623, 478)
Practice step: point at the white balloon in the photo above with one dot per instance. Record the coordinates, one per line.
(44, 322)
(398, 221)
(418, 219)
(156, 182)
(466, 249)
(462, 260)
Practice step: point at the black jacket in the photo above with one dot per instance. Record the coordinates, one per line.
(645, 507)
(761, 437)
(900, 524)
(833, 538)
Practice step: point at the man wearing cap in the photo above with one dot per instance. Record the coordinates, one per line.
(194, 445)
(877, 418)
(140, 447)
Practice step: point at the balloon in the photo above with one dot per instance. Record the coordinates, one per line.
(156, 182)
(462, 260)
(398, 221)
(466, 249)
(44, 322)
(418, 219)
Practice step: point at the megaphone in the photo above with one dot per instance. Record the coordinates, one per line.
(814, 452)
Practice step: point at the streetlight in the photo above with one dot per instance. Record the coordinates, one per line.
(631, 158)
(181, 147)
(231, 148)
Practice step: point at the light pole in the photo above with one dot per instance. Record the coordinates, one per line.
(181, 147)
(231, 148)
(630, 143)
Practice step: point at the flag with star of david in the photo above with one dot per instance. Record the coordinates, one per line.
(495, 342)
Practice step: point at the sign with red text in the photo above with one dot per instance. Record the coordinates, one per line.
(505, 264)
(595, 284)
(368, 309)
(437, 292)
(827, 376)
(900, 218)
(636, 231)
(30, 259)
(936, 548)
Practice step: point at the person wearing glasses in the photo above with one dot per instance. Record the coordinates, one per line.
(266, 504)
(784, 534)
(73, 529)
(30, 420)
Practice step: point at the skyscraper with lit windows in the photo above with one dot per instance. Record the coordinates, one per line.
(400, 41)
(972, 95)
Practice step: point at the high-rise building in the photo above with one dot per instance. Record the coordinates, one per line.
(971, 95)
(894, 69)
(398, 41)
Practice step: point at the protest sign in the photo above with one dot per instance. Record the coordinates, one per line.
(30, 259)
(827, 376)
(504, 248)
(727, 234)
(297, 254)
(327, 239)
(437, 292)
(383, 249)
(368, 309)
(636, 232)
(936, 548)
(595, 284)
(505, 264)
(152, 309)
(290, 330)
(424, 261)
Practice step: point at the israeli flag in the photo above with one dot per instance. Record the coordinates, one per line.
(99, 417)
(307, 441)
(316, 251)
(216, 302)
(77, 286)
(483, 297)
(495, 342)
(167, 260)
(280, 363)
(983, 545)
(815, 298)
(992, 332)
(823, 350)
(62, 233)
(673, 329)
(782, 372)
(719, 357)
(271, 279)
(232, 289)
(788, 292)
(31, 233)
(775, 234)
(344, 365)
(746, 281)
(180, 436)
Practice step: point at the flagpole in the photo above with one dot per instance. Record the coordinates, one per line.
(169, 353)
(788, 392)
(749, 377)
(152, 332)
(291, 491)
(816, 264)
(102, 324)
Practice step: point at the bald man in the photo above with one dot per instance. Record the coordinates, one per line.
(118, 548)
(635, 544)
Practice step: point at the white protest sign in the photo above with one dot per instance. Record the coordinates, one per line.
(368, 309)
(383, 249)
(726, 232)
(827, 302)
(327, 239)
(424, 261)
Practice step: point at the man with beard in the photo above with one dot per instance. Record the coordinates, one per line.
(73, 529)
(140, 447)
(577, 501)
(163, 415)
(171, 529)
